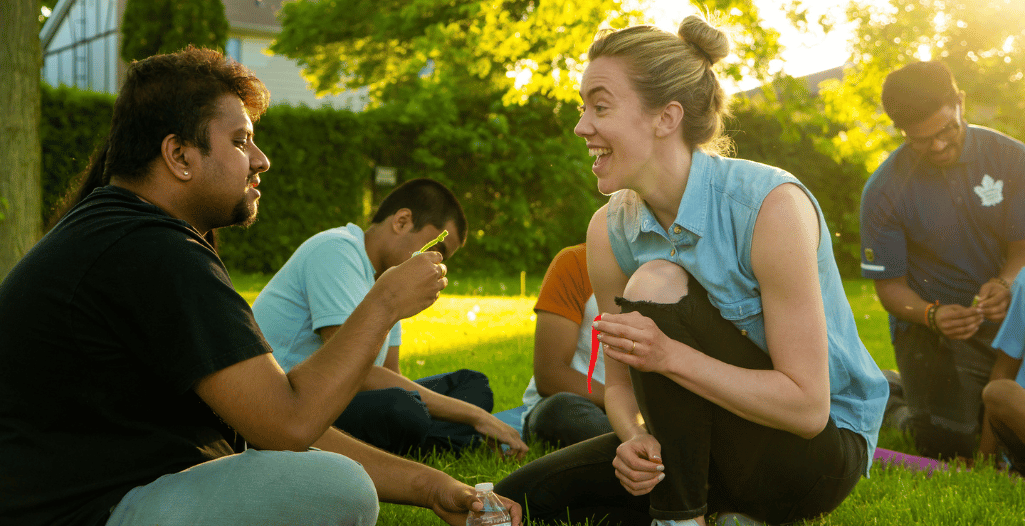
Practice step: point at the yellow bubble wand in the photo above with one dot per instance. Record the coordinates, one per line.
(431, 243)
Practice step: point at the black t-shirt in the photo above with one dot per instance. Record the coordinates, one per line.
(105, 326)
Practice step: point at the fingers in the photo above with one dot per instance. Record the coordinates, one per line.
(957, 322)
(517, 447)
(639, 465)
(514, 509)
(508, 437)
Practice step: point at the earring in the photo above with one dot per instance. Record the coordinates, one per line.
(186, 173)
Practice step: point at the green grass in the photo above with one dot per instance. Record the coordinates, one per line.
(478, 324)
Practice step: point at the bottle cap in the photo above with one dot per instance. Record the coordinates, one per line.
(484, 486)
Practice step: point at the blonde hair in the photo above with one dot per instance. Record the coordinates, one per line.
(664, 67)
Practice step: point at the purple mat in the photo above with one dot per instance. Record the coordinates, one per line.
(911, 462)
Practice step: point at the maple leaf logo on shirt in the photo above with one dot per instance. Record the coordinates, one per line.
(990, 192)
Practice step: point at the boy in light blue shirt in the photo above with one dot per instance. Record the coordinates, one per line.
(325, 281)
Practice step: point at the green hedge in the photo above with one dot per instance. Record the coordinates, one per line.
(317, 179)
(522, 176)
(516, 169)
(788, 140)
(74, 122)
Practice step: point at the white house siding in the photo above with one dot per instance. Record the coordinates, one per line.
(284, 79)
(82, 42)
(80, 48)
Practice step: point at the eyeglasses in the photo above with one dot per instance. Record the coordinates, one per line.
(947, 134)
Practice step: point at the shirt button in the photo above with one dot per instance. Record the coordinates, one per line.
(672, 252)
(677, 229)
(743, 332)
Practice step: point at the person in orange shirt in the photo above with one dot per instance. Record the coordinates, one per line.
(560, 409)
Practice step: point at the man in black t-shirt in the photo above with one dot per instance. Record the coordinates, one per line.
(128, 363)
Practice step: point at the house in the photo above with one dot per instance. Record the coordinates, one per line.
(81, 42)
(811, 81)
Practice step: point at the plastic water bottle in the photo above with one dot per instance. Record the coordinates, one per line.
(494, 513)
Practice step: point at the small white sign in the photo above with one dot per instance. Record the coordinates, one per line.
(385, 175)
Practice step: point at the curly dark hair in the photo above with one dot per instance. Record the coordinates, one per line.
(171, 94)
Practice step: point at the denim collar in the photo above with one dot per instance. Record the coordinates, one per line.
(692, 214)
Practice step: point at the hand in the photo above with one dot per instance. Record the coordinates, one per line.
(638, 464)
(994, 298)
(498, 433)
(957, 322)
(412, 285)
(634, 340)
(454, 501)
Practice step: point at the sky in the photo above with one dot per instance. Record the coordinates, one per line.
(805, 53)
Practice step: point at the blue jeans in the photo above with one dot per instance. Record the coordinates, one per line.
(256, 487)
(397, 420)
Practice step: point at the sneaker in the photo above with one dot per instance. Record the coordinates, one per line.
(736, 519)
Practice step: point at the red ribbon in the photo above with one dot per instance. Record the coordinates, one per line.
(594, 353)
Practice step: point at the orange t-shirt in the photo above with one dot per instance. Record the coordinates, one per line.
(566, 287)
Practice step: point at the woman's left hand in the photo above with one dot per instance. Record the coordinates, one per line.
(634, 340)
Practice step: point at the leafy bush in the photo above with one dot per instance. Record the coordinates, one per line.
(74, 122)
(317, 179)
(792, 136)
(522, 176)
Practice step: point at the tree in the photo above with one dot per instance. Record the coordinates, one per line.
(515, 47)
(982, 41)
(485, 90)
(20, 149)
(151, 27)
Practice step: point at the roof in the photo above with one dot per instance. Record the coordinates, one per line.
(253, 15)
(812, 81)
(246, 15)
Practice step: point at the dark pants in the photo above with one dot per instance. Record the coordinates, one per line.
(943, 381)
(1012, 446)
(564, 419)
(396, 420)
(714, 460)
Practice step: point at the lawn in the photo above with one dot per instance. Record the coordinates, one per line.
(487, 325)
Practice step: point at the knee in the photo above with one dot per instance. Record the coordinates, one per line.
(657, 281)
(997, 396)
(341, 485)
(553, 411)
(403, 409)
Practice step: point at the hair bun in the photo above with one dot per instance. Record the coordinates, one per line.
(707, 39)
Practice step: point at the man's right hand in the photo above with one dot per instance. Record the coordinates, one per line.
(957, 322)
(412, 286)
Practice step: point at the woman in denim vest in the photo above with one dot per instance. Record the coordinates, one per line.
(736, 383)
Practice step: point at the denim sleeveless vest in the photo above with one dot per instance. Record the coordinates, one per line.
(711, 238)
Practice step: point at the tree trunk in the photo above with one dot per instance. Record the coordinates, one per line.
(20, 147)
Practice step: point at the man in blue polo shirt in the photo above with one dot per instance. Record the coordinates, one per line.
(943, 235)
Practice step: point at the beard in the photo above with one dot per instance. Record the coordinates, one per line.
(244, 213)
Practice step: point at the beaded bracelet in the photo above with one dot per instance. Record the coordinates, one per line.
(930, 316)
(1003, 282)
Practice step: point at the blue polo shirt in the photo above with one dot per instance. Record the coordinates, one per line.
(945, 228)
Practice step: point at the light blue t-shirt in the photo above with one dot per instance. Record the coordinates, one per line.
(711, 238)
(1010, 338)
(319, 286)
